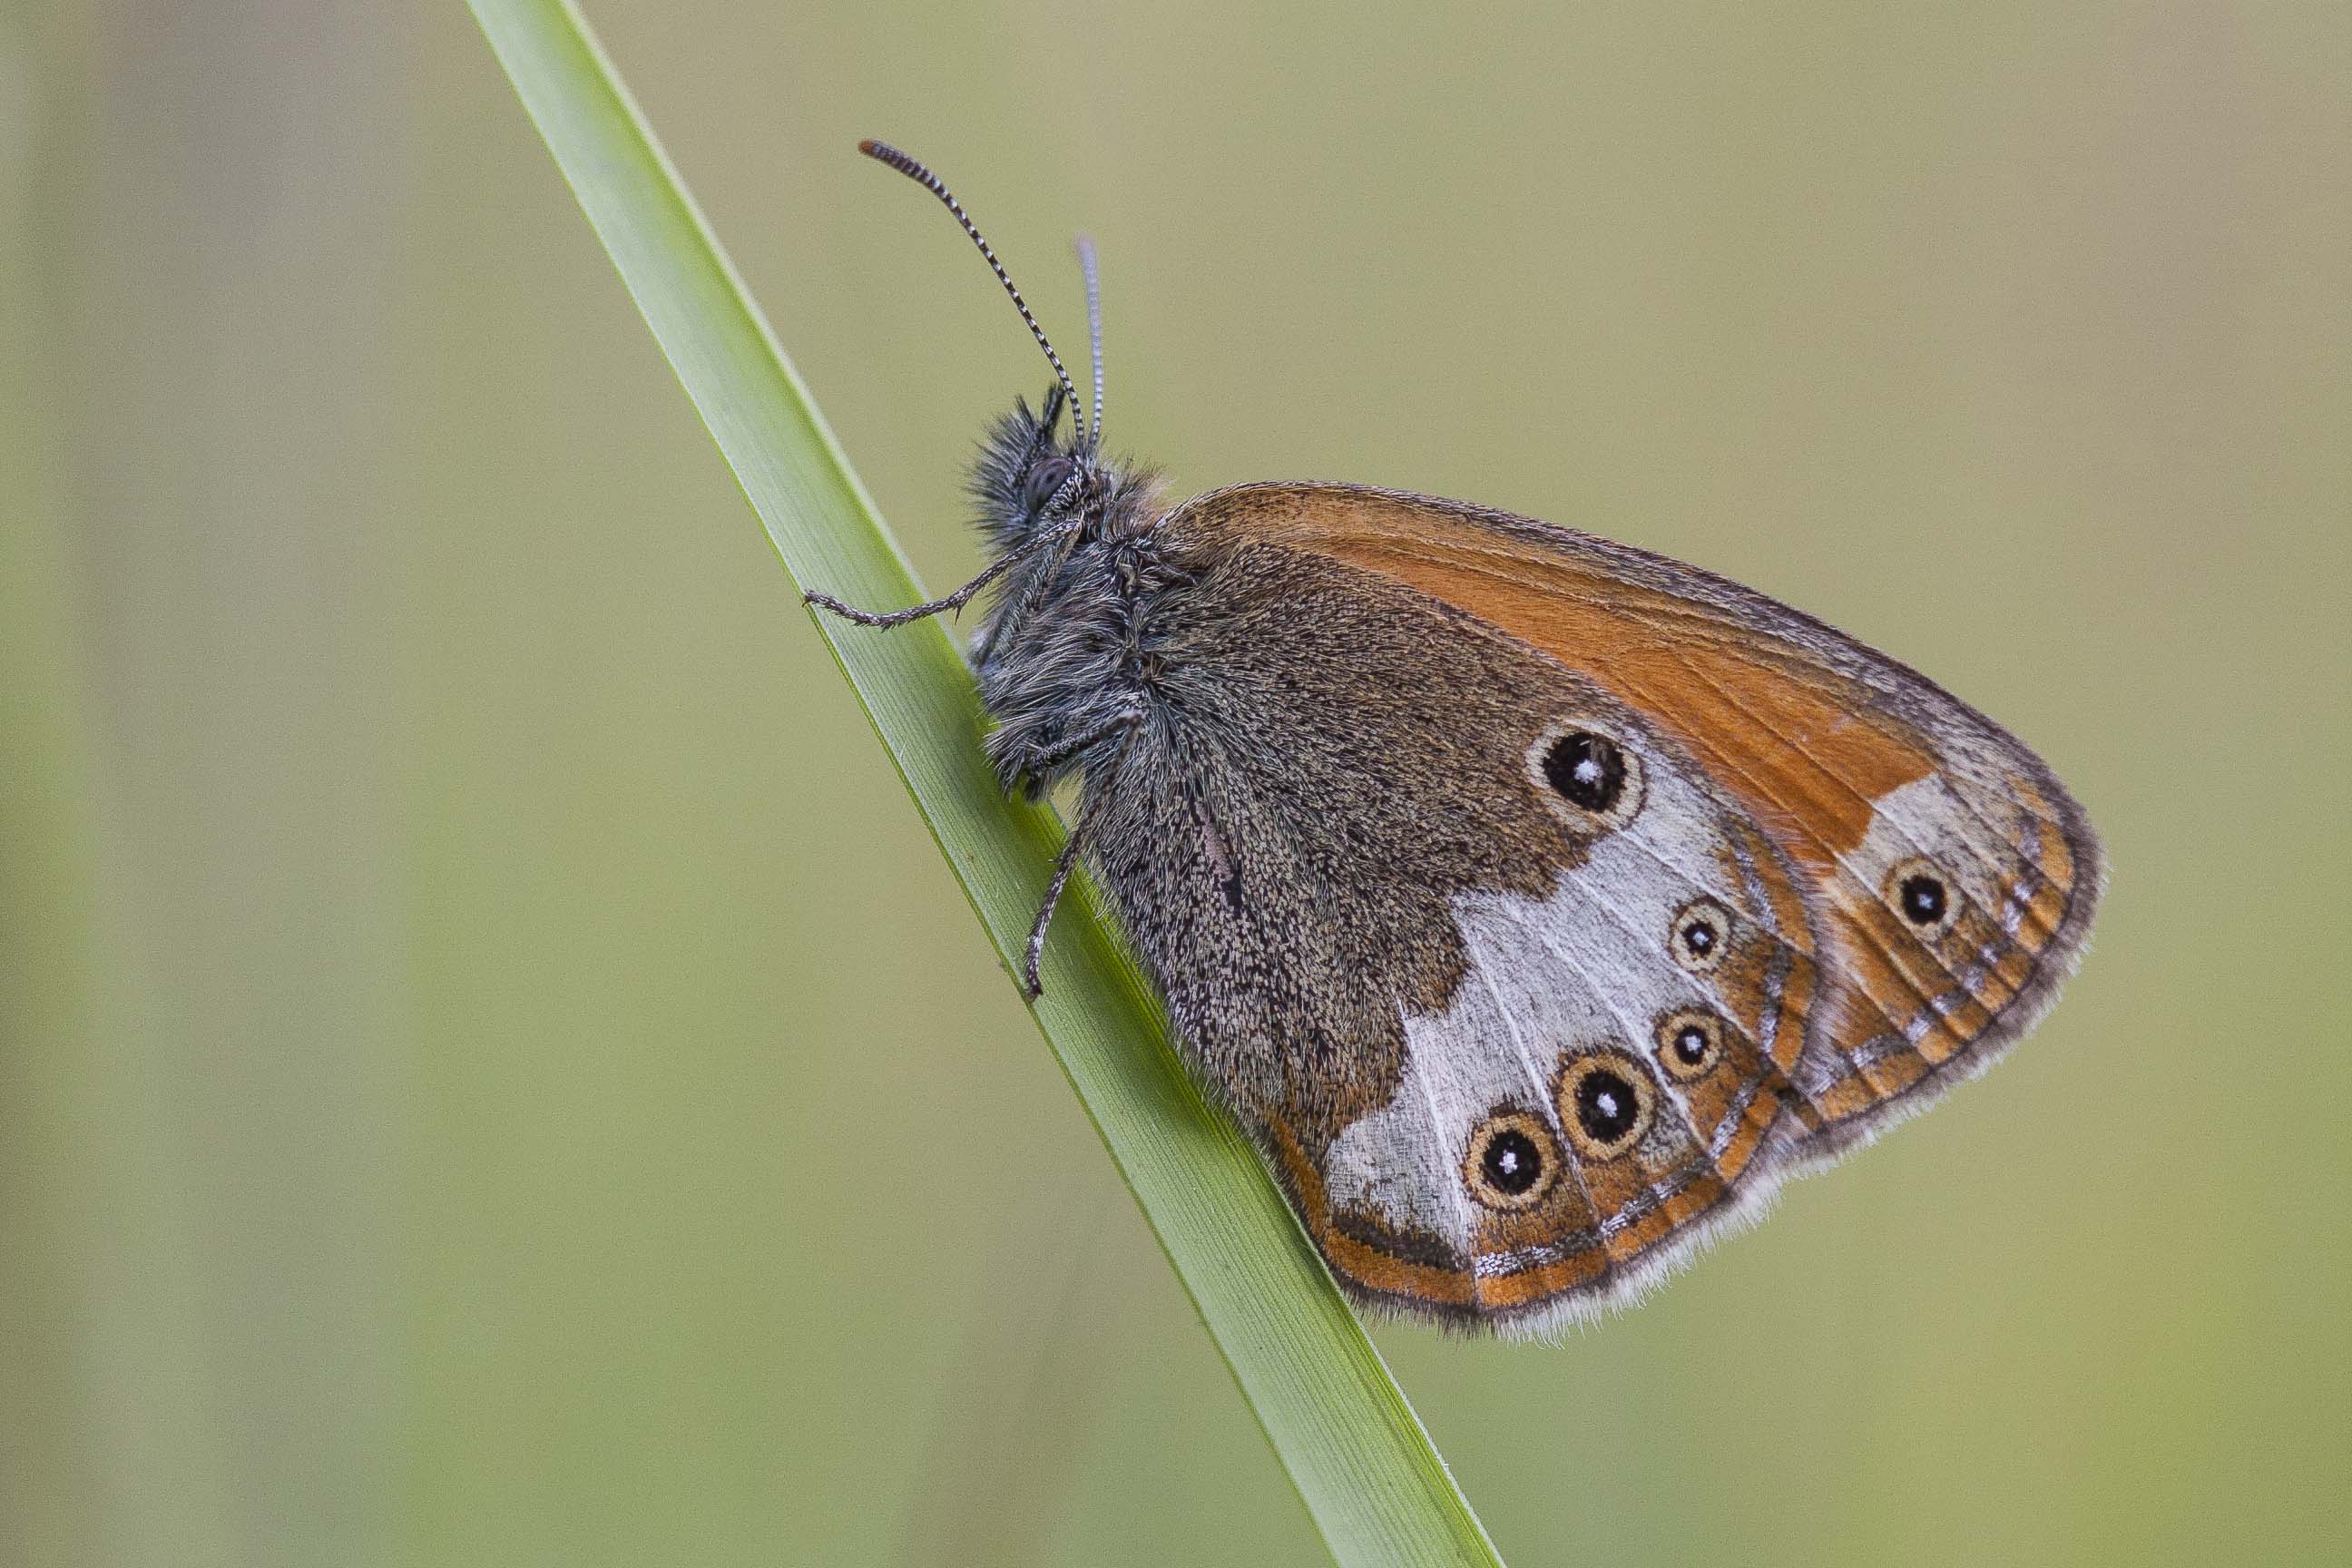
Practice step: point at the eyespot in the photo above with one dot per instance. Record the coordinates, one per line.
(1592, 778)
(1690, 1042)
(1923, 896)
(1700, 935)
(1606, 1102)
(1510, 1165)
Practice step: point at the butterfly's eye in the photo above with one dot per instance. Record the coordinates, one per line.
(1700, 935)
(1510, 1165)
(1046, 477)
(1690, 1042)
(1606, 1102)
(1594, 779)
(1923, 896)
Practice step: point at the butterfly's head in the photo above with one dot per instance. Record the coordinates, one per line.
(1032, 477)
(1036, 472)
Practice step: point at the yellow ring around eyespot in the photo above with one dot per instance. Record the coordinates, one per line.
(1902, 872)
(1633, 1075)
(1473, 1163)
(1670, 1030)
(1631, 794)
(1707, 912)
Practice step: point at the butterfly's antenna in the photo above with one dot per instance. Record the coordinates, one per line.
(883, 153)
(1094, 321)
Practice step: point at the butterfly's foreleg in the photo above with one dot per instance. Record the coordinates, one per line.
(955, 601)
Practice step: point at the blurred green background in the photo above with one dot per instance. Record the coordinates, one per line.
(470, 986)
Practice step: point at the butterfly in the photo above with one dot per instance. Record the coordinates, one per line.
(1537, 904)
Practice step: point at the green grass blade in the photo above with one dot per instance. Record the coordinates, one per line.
(1377, 1489)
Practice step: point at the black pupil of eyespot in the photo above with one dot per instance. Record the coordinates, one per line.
(1923, 900)
(1699, 937)
(1512, 1162)
(1690, 1045)
(1605, 1105)
(1588, 770)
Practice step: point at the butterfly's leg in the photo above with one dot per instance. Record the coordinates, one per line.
(1031, 986)
(1004, 627)
(1075, 845)
(1042, 767)
(955, 601)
